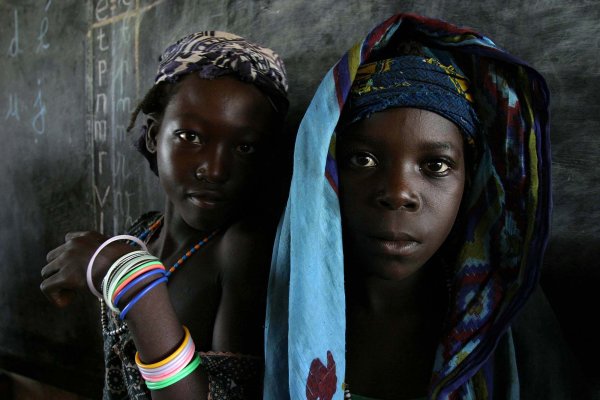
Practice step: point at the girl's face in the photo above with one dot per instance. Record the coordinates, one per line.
(402, 177)
(211, 148)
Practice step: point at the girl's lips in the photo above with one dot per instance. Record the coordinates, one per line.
(207, 200)
(402, 247)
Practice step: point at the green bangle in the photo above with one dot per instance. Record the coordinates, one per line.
(119, 268)
(116, 266)
(113, 280)
(120, 276)
(123, 278)
(191, 367)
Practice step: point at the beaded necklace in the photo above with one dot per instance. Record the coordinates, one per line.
(146, 236)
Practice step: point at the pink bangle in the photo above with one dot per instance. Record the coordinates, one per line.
(171, 365)
(88, 274)
(172, 371)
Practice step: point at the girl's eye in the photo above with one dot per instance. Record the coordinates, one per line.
(437, 167)
(189, 136)
(245, 149)
(363, 160)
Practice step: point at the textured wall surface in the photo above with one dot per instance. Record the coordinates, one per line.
(72, 71)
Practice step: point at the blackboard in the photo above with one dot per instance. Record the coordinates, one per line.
(72, 71)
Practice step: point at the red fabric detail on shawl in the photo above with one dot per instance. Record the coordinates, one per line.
(331, 182)
(321, 383)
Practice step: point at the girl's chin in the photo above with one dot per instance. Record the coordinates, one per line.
(390, 270)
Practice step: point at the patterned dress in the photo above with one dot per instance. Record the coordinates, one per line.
(231, 376)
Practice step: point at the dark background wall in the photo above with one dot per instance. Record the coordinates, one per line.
(72, 71)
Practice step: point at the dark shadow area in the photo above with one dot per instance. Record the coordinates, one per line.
(571, 281)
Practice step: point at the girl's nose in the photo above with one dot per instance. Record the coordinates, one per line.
(399, 193)
(215, 166)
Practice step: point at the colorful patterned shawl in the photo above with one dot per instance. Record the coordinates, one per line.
(501, 247)
(214, 53)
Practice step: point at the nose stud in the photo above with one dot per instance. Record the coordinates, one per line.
(200, 173)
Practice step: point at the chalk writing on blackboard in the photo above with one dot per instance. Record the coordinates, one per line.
(38, 117)
(39, 120)
(121, 133)
(123, 205)
(102, 69)
(100, 37)
(100, 130)
(42, 45)
(124, 105)
(121, 166)
(101, 155)
(14, 49)
(114, 58)
(13, 107)
(125, 34)
(101, 9)
(101, 202)
(101, 103)
(121, 70)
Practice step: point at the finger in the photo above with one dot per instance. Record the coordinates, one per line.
(53, 254)
(56, 292)
(50, 269)
(72, 235)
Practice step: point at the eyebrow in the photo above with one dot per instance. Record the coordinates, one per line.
(426, 145)
(193, 117)
(438, 146)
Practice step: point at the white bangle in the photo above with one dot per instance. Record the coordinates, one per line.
(88, 274)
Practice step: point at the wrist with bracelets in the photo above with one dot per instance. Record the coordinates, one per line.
(131, 275)
(126, 274)
(179, 364)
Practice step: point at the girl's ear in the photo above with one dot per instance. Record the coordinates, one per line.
(152, 128)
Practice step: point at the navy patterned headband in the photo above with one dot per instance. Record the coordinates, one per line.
(212, 54)
(412, 81)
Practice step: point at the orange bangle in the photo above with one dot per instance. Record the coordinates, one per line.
(154, 265)
(186, 338)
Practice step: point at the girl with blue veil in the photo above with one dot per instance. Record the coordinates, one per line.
(416, 224)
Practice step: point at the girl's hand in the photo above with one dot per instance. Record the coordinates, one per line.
(65, 274)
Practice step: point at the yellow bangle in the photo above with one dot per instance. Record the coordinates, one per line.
(186, 338)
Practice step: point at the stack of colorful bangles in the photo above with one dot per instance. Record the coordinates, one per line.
(172, 369)
(128, 274)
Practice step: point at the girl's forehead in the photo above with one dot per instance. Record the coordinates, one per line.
(398, 123)
(221, 101)
(222, 91)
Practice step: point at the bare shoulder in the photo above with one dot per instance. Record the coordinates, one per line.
(246, 247)
(244, 259)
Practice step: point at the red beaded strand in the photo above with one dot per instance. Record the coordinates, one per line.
(152, 228)
(146, 236)
(190, 252)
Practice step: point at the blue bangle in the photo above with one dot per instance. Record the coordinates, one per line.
(135, 282)
(140, 295)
